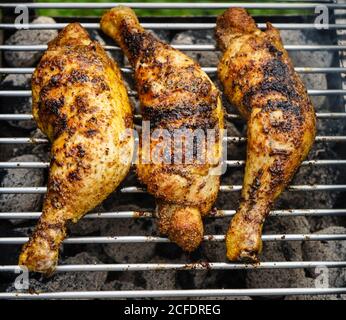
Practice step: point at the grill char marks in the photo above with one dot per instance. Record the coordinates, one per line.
(274, 75)
(181, 116)
(53, 109)
(259, 79)
(175, 94)
(277, 78)
(138, 45)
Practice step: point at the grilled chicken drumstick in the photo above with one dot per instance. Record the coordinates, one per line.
(175, 94)
(259, 79)
(81, 103)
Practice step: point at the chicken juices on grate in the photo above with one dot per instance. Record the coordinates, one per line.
(81, 104)
(175, 94)
(259, 79)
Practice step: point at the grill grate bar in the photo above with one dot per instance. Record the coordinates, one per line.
(152, 239)
(151, 214)
(230, 163)
(186, 47)
(209, 70)
(12, 116)
(174, 5)
(187, 266)
(172, 26)
(323, 115)
(223, 188)
(172, 293)
(17, 140)
(311, 92)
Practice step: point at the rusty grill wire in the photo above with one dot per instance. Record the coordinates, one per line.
(224, 188)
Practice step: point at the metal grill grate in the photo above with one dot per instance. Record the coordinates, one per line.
(224, 212)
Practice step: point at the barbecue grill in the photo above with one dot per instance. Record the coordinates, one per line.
(283, 22)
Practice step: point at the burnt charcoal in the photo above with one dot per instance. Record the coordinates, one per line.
(328, 251)
(122, 285)
(276, 278)
(168, 251)
(117, 285)
(29, 37)
(163, 35)
(303, 58)
(21, 178)
(87, 226)
(204, 58)
(40, 150)
(230, 200)
(17, 105)
(160, 280)
(281, 251)
(234, 151)
(69, 281)
(96, 35)
(318, 251)
(149, 280)
(9, 253)
(128, 252)
(310, 175)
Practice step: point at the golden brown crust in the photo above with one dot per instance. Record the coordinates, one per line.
(175, 94)
(259, 79)
(173, 221)
(233, 23)
(80, 102)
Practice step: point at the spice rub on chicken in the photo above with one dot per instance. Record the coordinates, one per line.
(259, 80)
(174, 94)
(81, 104)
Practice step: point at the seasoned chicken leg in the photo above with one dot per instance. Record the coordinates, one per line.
(175, 94)
(81, 103)
(259, 79)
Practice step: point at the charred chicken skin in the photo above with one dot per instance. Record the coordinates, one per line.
(259, 79)
(81, 104)
(175, 94)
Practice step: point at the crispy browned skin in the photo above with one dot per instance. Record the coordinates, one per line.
(80, 102)
(174, 93)
(259, 79)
